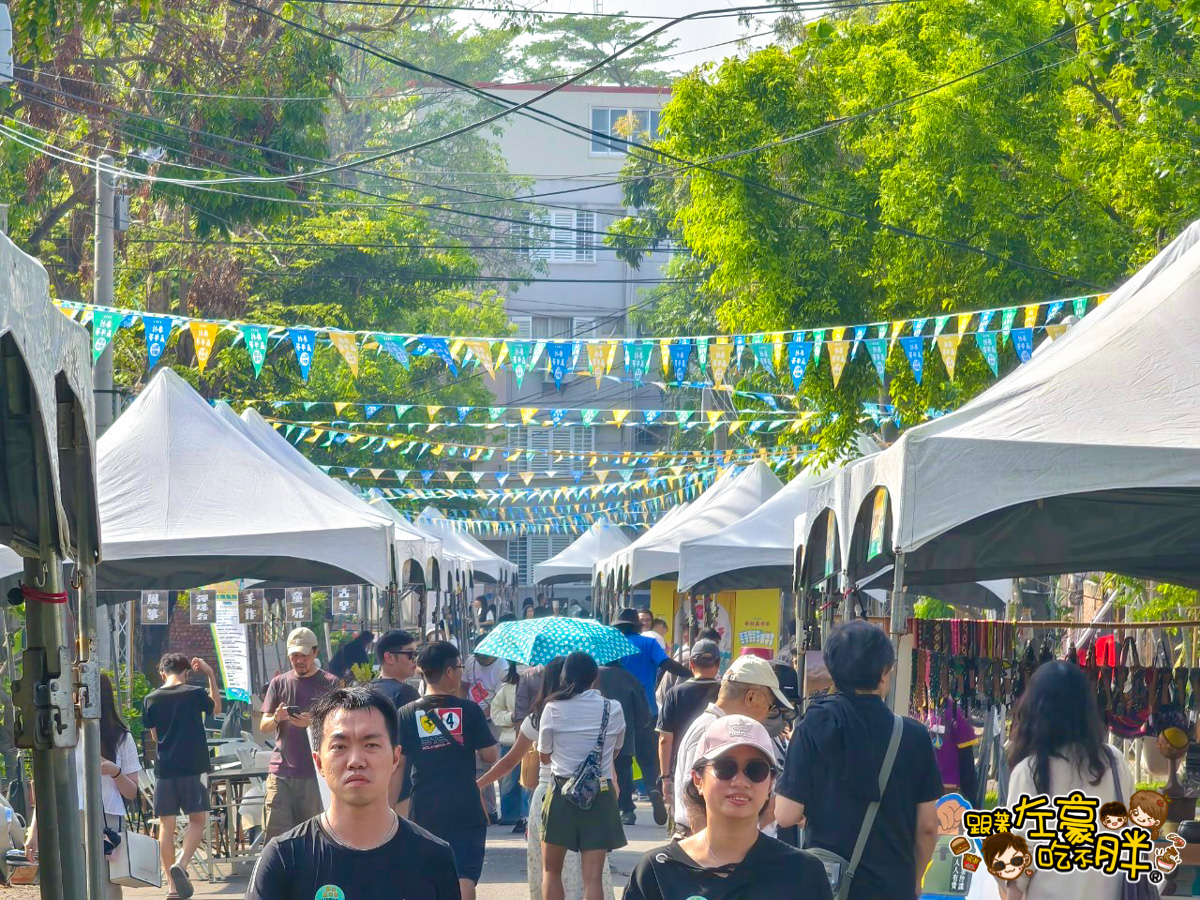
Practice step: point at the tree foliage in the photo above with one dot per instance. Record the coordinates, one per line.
(567, 44)
(1074, 161)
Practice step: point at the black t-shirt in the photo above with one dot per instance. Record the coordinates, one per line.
(837, 748)
(444, 796)
(401, 693)
(307, 864)
(770, 869)
(176, 714)
(682, 704)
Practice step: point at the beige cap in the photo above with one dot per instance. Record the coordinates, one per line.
(756, 670)
(301, 640)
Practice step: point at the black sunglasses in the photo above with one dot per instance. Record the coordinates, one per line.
(411, 654)
(756, 770)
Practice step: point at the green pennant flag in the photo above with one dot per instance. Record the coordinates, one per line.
(589, 416)
(105, 323)
(401, 410)
(1006, 322)
(256, 345)
(495, 412)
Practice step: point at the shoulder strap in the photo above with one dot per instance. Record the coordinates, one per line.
(431, 713)
(885, 774)
(599, 751)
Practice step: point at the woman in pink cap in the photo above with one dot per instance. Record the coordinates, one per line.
(730, 859)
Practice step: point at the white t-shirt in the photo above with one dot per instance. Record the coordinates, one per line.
(529, 730)
(483, 681)
(687, 756)
(662, 641)
(127, 761)
(569, 728)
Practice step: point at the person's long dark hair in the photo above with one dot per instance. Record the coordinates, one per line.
(1058, 716)
(512, 676)
(578, 675)
(551, 682)
(112, 727)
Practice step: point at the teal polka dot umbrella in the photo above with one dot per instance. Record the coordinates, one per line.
(535, 642)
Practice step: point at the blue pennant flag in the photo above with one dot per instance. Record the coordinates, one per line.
(158, 330)
(426, 475)
(557, 415)
(1054, 309)
(799, 353)
(1022, 339)
(502, 477)
(987, 346)
(914, 349)
(681, 354)
(559, 355)
(577, 476)
(651, 415)
(877, 349)
(438, 347)
(985, 319)
(739, 345)
(395, 348)
(860, 332)
(304, 341)
(370, 409)
(463, 412)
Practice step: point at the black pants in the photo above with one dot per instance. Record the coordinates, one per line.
(646, 748)
(624, 768)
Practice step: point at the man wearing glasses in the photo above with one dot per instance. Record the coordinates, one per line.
(397, 653)
(441, 735)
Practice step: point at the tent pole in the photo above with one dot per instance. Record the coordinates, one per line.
(898, 615)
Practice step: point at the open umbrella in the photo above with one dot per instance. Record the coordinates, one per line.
(537, 641)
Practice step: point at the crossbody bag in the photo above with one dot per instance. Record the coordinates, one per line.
(583, 787)
(837, 868)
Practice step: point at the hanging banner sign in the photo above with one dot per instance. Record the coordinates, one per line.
(558, 355)
(395, 348)
(251, 606)
(764, 356)
(637, 360)
(256, 345)
(681, 354)
(520, 351)
(914, 349)
(157, 332)
(347, 345)
(104, 326)
(1007, 318)
(154, 608)
(202, 605)
(877, 349)
(839, 352)
(297, 605)
(597, 354)
(719, 357)
(233, 650)
(948, 347)
(878, 509)
(204, 335)
(345, 601)
(987, 346)
(304, 341)
(1022, 339)
(799, 353)
(483, 352)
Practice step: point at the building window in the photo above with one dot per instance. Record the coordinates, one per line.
(554, 449)
(629, 124)
(527, 551)
(563, 236)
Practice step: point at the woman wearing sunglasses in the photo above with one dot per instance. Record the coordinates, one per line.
(730, 859)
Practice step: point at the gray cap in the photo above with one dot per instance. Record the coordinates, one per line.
(705, 653)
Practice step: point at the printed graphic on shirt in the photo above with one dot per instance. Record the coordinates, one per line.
(329, 892)
(1067, 833)
(427, 729)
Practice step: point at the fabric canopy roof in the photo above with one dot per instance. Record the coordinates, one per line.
(55, 355)
(730, 498)
(1085, 458)
(487, 565)
(608, 569)
(577, 561)
(186, 499)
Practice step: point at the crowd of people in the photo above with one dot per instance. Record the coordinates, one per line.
(416, 775)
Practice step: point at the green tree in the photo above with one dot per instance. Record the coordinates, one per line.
(568, 44)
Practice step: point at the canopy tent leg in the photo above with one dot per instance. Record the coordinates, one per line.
(899, 614)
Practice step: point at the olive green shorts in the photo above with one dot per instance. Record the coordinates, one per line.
(566, 825)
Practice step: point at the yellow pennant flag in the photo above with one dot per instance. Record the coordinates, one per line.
(347, 345)
(948, 346)
(735, 426)
(619, 416)
(433, 411)
(1031, 314)
(338, 407)
(437, 449)
(1100, 298)
(714, 416)
(719, 356)
(526, 477)
(317, 432)
(665, 352)
(527, 414)
(777, 352)
(897, 327)
(204, 335)
(452, 474)
(483, 353)
(597, 355)
(602, 475)
(839, 352)
(839, 333)
(964, 320)
(1055, 331)
(612, 355)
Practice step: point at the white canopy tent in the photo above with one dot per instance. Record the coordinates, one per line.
(577, 561)
(487, 565)
(186, 499)
(607, 572)
(732, 496)
(1087, 457)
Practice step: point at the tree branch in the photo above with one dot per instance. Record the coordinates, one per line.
(54, 216)
(1102, 99)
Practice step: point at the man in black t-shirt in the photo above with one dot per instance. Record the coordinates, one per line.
(397, 652)
(176, 713)
(440, 735)
(832, 771)
(359, 849)
(685, 701)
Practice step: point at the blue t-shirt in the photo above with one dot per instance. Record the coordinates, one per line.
(644, 665)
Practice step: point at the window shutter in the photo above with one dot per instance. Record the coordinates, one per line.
(585, 238)
(524, 326)
(562, 236)
(539, 235)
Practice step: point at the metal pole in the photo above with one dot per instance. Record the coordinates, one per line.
(899, 613)
(102, 294)
(89, 678)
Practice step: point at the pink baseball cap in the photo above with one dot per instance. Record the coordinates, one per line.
(728, 732)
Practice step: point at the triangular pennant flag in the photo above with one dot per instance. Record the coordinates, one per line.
(1022, 339)
(438, 347)
(495, 412)
(104, 326)
(557, 415)
(714, 417)
(877, 349)
(897, 327)
(558, 357)
(1079, 306)
(597, 353)
(702, 352)
(347, 345)
(526, 477)
(303, 341)
(157, 333)
(401, 409)
(637, 360)
(764, 355)
(987, 346)
(618, 416)
(1054, 309)
(684, 416)
(948, 347)
(939, 325)
(914, 349)
(463, 412)
(681, 354)
(664, 357)
(433, 411)
(1055, 331)
(395, 348)
(502, 477)
(985, 319)
(1008, 317)
(964, 321)
(520, 351)
(651, 415)
(838, 353)
(739, 347)
(477, 476)
(482, 351)
(918, 326)
(1031, 314)
(338, 406)
(860, 332)
(527, 414)
(204, 335)
(601, 475)
(589, 416)
(719, 356)
(799, 353)
(818, 342)
(370, 409)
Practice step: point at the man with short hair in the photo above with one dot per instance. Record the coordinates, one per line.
(176, 713)
(831, 774)
(748, 688)
(687, 700)
(397, 654)
(616, 683)
(359, 848)
(292, 792)
(442, 734)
